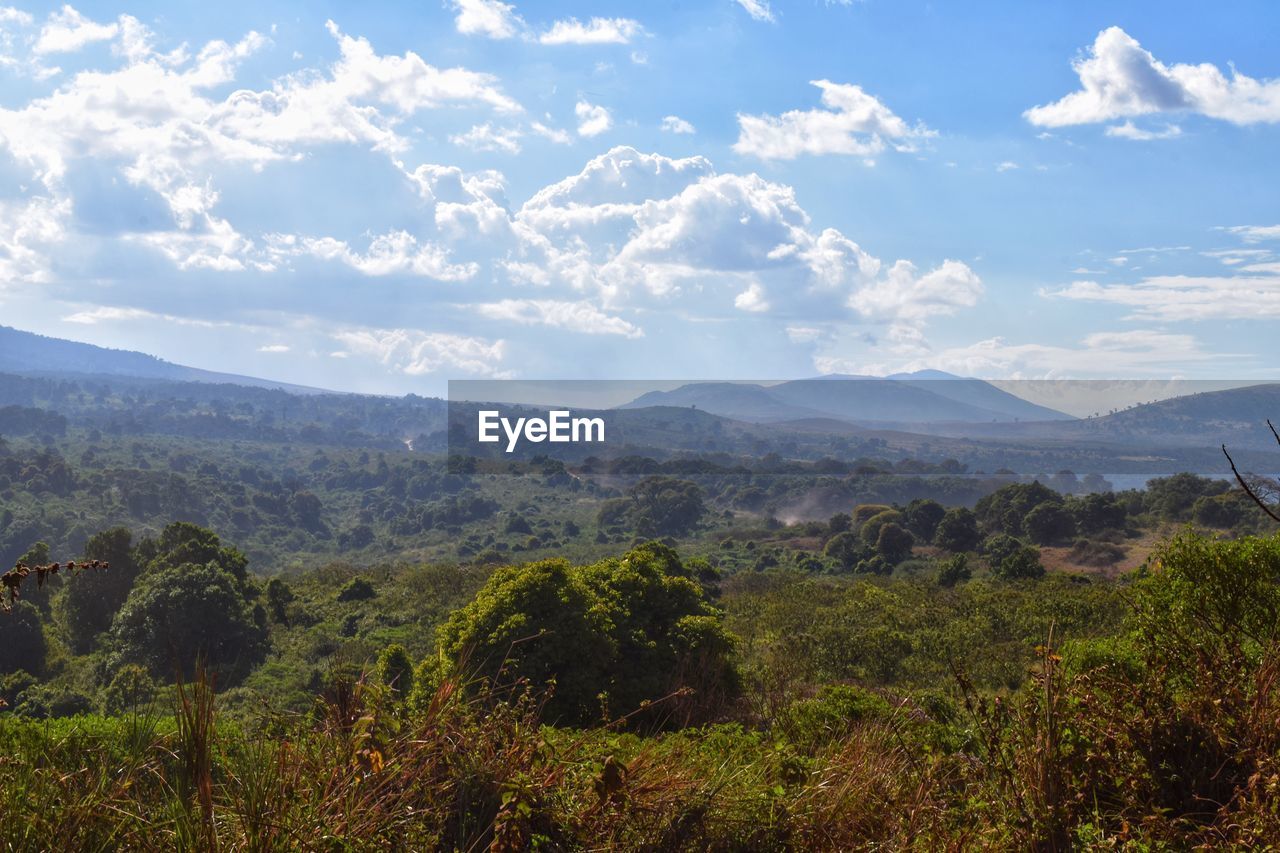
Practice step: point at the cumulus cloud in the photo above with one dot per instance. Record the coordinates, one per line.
(592, 120)
(1119, 79)
(646, 231)
(759, 10)
(675, 124)
(491, 18)
(68, 31)
(415, 353)
(580, 316)
(154, 122)
(117, 314)
(594, 31)
(853, 122)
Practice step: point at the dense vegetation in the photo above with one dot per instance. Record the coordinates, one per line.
(331, 640)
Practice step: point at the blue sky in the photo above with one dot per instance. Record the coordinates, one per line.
(382, 197)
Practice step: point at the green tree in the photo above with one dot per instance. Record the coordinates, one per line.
(1021, 564)
(87, 605)
(131, 689)
(846, 549)
(894, 543)
(1004, 510)
(181, 614)
(395, 669)
(953, 570)
(922, 516)
(1049, 524)
(279, 597)
(620, 631)
(957, 531)
(22, 642)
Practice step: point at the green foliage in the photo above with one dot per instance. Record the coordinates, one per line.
(357, 589)
(894, 543)
(957, 531)
(1022, 564)
(922, 517)
(1006, 509)
(395, 669)
(622, 631)
(86, 606)
(869, 532)
(845, 549)
(1049, 524)
(131, 689)
(22, 641)
(954, 570)
(180, 615)
(655, 507)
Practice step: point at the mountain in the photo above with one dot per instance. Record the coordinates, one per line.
(926, 397)
(28, 353)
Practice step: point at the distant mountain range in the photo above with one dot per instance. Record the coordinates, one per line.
(32, 354)
(905, 398)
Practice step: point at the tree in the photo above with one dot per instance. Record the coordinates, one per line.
(181, 614)
(846, 549)
(922, 516)
(870, 530)
(957, 531)
(22, 643)
(89, 603)
(1003, 510)
(996, 548)
(954, 570)
(894, 543)
(622, 631)
(1049, 524)
(184, 543)
(279, 597)
(395, 669)
(657, 506)
(1022, 563)
(1094, 513)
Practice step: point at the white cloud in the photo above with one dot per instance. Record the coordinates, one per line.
(119, 314)
(595, 31)
(759, 10)
(416, 353)
(555, 134)
(491, 18)
(394, 253)
(1129, 130)
(1121, 80)
(1255, 233)
(274, 348)
(1250, 295)
(485, 137)
(592, 120)
(752, 300)
(578, 316)
(1007, 166)
(645, 231)
(1103, 354)
(675, 124)
(853, 122)
(67, 31)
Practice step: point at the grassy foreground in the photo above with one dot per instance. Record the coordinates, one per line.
(1163, 736)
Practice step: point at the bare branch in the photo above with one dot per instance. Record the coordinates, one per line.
(1244, 485)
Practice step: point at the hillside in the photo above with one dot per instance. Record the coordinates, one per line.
(28, 353)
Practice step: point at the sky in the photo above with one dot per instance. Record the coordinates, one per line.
(382, 197)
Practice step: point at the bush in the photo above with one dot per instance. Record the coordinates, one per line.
(356, 589)
(621, 631)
